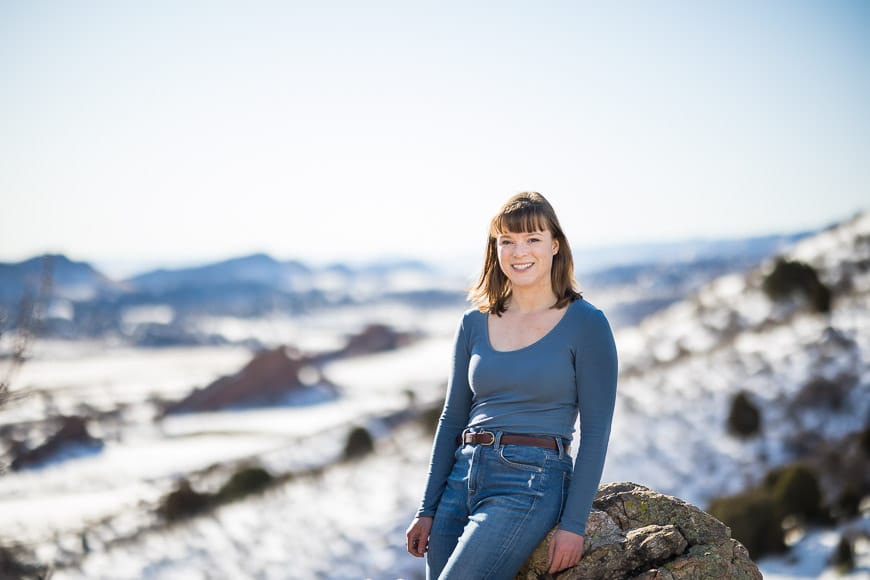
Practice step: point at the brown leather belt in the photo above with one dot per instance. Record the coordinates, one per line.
(488, 438)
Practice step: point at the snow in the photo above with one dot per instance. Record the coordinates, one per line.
(69, 375)
(809, 556)
(345, 523)
(680, 369)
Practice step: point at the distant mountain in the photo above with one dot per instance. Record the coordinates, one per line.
(84, 302)
(257, 269)
(68, 279)
(592, 259)
(632, 282)
(638, 280)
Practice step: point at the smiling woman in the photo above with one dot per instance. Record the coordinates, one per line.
(528, 358)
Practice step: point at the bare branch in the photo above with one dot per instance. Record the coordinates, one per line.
(25, 327)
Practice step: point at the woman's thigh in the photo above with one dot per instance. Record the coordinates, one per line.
(515, 497)
(452, 514)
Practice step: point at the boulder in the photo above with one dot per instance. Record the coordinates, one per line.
(639, 534)
(273, 377)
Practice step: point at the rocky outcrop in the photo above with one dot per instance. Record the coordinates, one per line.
(375, 338)
(272, 377)
(639, 534)
(283, 375)
(71, 438)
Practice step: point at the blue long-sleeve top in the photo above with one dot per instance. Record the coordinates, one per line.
(535, 390)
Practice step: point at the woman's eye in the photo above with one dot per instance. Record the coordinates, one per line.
(534, 240)
(506, 242)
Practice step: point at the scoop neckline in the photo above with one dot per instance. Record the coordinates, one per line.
(530, 345)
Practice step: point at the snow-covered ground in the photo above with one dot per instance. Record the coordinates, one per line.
(680, 369)
(346, 523)
(56, 505)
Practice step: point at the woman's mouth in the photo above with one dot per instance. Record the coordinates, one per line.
(522, 267)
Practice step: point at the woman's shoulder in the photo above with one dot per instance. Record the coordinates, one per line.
(583, 308)
(585, 314)
(473, 315)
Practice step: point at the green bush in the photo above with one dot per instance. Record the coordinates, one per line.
(756, 516)
(754, 519)
(245, 481)
(184, 502)
(795, 489)
(849, 501)
(744, 419)
(359, 443)
(790, 277)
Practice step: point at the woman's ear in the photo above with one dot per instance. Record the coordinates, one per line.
(555, 247)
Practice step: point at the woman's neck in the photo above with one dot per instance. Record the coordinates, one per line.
(531, 301)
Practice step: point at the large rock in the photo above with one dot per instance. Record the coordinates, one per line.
(639, 534)
(272, 377)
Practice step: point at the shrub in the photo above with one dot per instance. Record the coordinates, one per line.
(843, 557)
(795, 489)
(744, 419)
(824, 393)
(18, 562)
(790, 277)
(245, 481)
(754, 520)
(359, 443)
(184, 502)
(849, 501)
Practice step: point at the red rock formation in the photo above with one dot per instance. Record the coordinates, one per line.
(375, 338)
(271, 377)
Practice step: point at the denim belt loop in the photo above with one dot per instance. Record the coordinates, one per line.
(561, 445)
(497, 443)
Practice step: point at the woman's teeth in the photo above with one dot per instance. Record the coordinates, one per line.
(522, 266)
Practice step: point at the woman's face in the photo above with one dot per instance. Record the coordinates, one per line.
(526, 258)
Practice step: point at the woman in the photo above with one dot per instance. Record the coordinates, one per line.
(527, 359)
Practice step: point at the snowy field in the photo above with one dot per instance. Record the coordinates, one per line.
(680, 369)
(347, 522)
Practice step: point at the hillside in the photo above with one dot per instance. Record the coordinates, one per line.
(681, 368)
(806, 372)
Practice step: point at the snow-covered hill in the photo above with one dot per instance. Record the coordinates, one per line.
(682, 366)
(807, 372)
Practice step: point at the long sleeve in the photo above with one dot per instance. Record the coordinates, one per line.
(454, 418)
(596, 372)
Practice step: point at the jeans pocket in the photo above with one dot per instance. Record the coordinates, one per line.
(524, 457)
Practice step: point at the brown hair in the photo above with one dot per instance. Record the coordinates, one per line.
(524, 212)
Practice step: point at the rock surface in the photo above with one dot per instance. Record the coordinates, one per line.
(639, 534)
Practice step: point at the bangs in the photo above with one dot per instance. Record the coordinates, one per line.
(520, 219)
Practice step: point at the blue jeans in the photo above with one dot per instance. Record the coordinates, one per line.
(499, 503)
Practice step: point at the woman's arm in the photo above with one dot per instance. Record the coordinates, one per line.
(595, 366)
(454, 418)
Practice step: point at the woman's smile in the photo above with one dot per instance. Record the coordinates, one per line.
(526, 258)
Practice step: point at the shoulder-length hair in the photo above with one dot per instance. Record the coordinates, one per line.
(525, 212)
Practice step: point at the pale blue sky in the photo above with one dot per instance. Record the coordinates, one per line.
(181, 131)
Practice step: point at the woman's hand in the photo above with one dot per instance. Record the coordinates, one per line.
(418, 536)
(566, 549)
